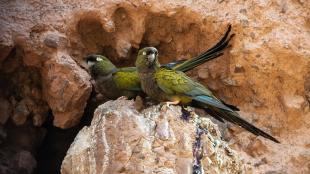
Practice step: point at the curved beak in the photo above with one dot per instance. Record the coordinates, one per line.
(151, 57)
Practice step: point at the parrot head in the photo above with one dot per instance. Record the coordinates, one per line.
(99, 65)
(147, 58)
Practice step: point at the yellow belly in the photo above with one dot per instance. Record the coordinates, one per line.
(181, 99)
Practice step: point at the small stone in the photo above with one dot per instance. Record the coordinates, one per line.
(294, 101)
(51, 41)
(25, 161)
(21, 113)
(54, 40)
(38, 119)
(229, 81)
(204, 123)
(109, 26)
(162, 130)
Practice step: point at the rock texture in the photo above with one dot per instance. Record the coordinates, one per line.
(122, 140)
(265, 72)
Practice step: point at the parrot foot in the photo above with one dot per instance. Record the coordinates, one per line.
(167, 104)
(122, 98)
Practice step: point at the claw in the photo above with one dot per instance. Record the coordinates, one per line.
(122, 98)
(167, 104)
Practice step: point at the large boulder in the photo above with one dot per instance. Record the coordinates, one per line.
(121, 139)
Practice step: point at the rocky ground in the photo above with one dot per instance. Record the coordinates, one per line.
(266, 72)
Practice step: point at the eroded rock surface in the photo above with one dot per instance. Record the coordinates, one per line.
(66, 87)
(265, 72)
(122, 140)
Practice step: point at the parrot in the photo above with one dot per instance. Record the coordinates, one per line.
(115, 82)
(175, 87)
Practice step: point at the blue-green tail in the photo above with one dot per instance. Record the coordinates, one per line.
(223, 112)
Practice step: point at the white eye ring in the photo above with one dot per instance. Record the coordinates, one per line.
(98, 59)
(144, 53)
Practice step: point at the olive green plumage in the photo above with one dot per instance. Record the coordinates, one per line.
(114, 82)
(163, 84)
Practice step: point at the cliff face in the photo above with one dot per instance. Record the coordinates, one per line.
(265, 72)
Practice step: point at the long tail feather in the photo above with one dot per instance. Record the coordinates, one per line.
(232, 107)
(236, 119)
(233, 117)
(214, 52)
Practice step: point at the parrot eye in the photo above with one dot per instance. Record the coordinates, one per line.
(143, 53)
(98, 59)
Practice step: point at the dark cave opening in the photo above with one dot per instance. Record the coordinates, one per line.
(57, 141)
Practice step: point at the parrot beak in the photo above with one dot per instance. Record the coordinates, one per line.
(151, 57)
(90, 63)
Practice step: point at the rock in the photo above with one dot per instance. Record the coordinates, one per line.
(21, 113)
(25, 161)
(55, 40)
(229, 82)
(294, 101)
(5, 110)
(122, 140)
(66, 89)
(12, 162)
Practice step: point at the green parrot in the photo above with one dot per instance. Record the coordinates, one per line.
(174, 86)
(114, 82)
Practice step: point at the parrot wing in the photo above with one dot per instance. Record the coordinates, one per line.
(127, 79)
(177, 83)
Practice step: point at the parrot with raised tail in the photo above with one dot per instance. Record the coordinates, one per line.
(175, 87)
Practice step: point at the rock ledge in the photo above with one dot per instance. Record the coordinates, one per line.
(122, 140)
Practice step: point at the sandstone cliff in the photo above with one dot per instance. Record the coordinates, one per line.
(266, 72)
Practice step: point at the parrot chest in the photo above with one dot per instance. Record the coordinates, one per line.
(106, 86)
(150, 87)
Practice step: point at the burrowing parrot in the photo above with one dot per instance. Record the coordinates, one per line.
(114, 82)
(176, 87)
